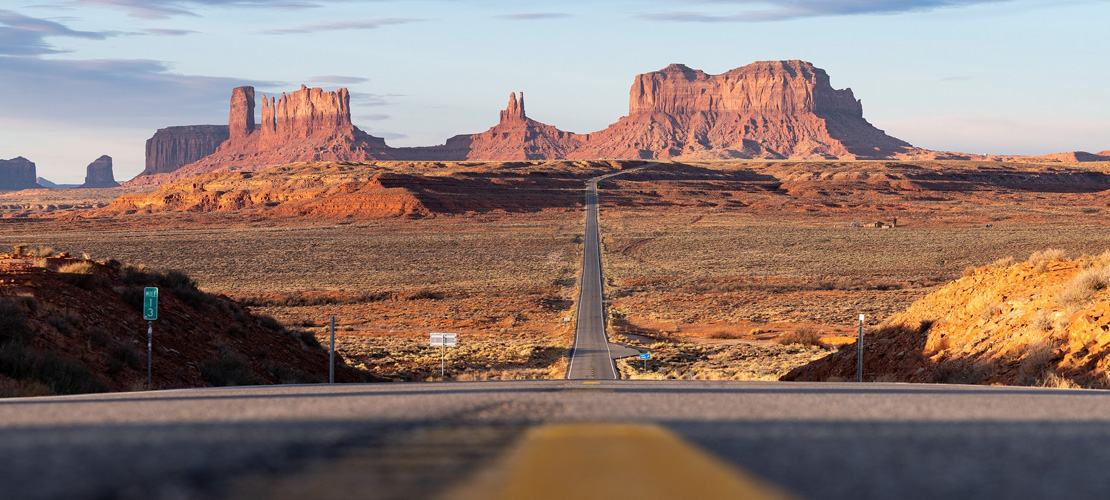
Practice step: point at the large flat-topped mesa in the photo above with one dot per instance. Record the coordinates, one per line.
(770, 109)
(789, 87)
(18, 173)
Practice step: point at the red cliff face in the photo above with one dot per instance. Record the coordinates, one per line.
(515, 137)
(306, 125)
(240, 120)
(305, 113)
(773, 109)
(173, 147)
(17, 173)
(778, 109)
(99, 174)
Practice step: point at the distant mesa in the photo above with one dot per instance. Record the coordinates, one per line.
(17, 173)
(769, 109)
(306, 125)
(51, 185)
(1078, 156)
(174, 147)
(99, 174)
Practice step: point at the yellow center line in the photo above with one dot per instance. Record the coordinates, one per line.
(586, 461)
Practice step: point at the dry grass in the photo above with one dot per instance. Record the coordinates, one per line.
(712, 268)
(80, 267)
(803, 335)
(1057, 382)
(691, 361)
(1042, 258)
(477, 357)
(1081, 289)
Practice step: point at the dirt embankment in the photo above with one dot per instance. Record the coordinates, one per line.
(1044, 321)
(70, 325)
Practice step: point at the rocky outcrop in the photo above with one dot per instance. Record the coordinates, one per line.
(775, 109)
(1077, 157)
(516, 137)
(99, 174)
(174, 147)
(307, 125)
(771, 109)
(240, 120)
(17, 173)
(1042, 321)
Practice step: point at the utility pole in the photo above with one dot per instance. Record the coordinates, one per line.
(331, 357)
(859, 352)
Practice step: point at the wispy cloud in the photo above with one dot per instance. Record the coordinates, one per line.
(367, 99)
(340, 25)
(21, 35)
(340, 79)
(161, 9)
(779, 10)
(168, 32)
(112, 92)
(534, 16)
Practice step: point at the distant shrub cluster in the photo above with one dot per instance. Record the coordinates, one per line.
(803, 335)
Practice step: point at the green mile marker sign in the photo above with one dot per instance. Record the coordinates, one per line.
(150, 303)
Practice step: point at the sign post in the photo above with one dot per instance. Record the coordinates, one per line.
(443, 341)
(645, 356)
(150, 313)
(331, 357)
(859, 352)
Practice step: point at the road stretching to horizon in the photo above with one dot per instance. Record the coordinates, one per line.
(582, 439)
(592, 355)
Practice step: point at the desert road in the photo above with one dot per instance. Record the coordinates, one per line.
(592, 355)
(687, 439)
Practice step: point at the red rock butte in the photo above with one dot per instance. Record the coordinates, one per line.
(765, 110)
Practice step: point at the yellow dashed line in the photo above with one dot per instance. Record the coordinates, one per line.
(591, 382)
(587, 461)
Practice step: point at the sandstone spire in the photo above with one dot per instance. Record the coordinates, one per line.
(515, 110)
(240, 120)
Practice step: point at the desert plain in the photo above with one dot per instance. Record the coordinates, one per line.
(717, 267)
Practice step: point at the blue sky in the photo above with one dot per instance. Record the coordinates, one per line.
(82, 78)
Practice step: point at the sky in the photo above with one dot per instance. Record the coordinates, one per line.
(83, 78)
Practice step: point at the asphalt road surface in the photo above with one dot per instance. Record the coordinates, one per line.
(592, 355)
(420, 440)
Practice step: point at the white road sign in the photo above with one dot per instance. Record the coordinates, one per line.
(444, 339)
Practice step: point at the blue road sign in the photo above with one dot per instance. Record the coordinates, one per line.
(645, 355)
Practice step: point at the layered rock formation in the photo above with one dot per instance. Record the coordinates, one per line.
(306, 125)
(515, 137)
(99, 174)
(174, 147)
(774, 110)
(17, 173)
